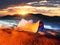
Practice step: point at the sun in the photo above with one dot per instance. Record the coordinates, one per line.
(24, 10)
(23, 13)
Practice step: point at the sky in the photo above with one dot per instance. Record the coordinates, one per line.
(11, 7)
(4, 3)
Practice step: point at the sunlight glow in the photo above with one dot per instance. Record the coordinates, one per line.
(23, 13)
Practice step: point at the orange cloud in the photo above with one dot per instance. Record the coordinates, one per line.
(49, 11)
(17, 10)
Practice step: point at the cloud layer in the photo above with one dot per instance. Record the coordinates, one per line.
(49, 11)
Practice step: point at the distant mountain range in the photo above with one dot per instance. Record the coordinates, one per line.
(40, 16)
(48, 18)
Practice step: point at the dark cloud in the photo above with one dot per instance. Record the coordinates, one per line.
(5, 3)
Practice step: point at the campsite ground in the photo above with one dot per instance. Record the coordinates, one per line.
(13, 37)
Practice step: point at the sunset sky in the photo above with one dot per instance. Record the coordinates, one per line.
(11, 7)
